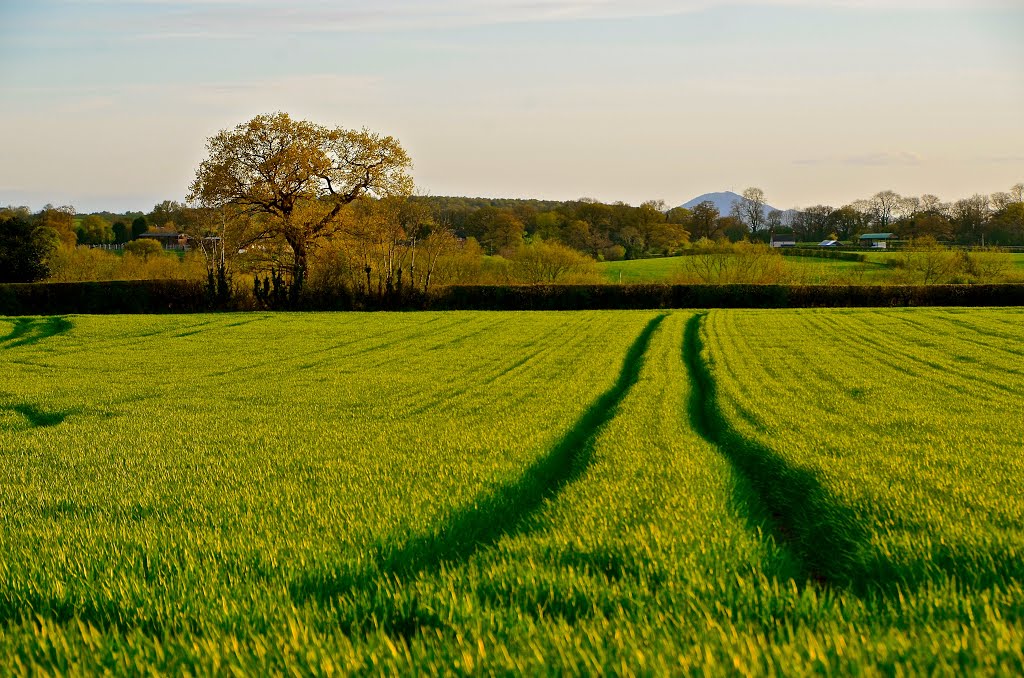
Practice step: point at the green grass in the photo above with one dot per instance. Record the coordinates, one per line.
(808, 270)
(599, 492)
(798, 269)
(641, 270)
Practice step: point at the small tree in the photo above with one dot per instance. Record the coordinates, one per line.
(750, 209)
(704, 221)
(933, 262)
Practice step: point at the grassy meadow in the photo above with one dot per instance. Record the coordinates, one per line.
(723, 492)
(878, 269)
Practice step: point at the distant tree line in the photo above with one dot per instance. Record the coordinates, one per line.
(432, 239)
(285, 202)
(986, 220)
(600, 230)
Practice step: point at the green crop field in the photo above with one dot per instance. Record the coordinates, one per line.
(723, 492)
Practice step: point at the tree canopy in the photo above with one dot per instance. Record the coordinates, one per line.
(24, 247)
(298, 175)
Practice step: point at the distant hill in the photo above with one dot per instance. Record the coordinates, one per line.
(723, 202)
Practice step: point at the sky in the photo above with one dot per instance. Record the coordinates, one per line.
(107, 104)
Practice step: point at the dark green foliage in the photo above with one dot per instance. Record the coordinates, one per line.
(588, 226)
(579, 297)
(121, 296)
(218, 285)
(23, 250)
(139, 226)
(121, 232)
(274, 292)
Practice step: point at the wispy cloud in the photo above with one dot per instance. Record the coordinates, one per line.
(95, 96)
(316, 90)
(871, 159)
(202, 19)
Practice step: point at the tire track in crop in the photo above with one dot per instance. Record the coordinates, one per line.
(833, 545)
(506, 510)
(822, 535)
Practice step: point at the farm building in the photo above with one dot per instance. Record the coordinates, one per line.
(783, 240)
(876, 240)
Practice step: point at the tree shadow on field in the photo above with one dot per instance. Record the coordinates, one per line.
(508, 510)
(38, 417)
(27, 331)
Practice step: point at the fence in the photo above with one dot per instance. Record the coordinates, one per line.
(118, 246)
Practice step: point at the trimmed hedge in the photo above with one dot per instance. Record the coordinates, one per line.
(821, 254)
(121, 296)
(174, 296)
(580, 297)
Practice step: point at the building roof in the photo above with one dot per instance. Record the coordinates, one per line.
(877, 236)
(157, 234)
(784, 236)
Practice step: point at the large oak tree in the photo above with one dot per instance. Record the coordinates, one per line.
(299, 175)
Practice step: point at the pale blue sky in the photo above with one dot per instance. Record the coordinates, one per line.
(107, 104)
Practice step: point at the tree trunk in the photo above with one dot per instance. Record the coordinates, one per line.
(299, 262)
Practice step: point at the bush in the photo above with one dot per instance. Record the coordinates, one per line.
(716, 263)
(614, 253)
(144, 247)
(927, 261)
(549, 262)
(83, 264)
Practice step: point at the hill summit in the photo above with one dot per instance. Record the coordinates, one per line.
(722, 200)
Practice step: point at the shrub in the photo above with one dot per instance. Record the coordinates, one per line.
(144, 247)
(82, 264)
(614, 253)
(550, 262)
